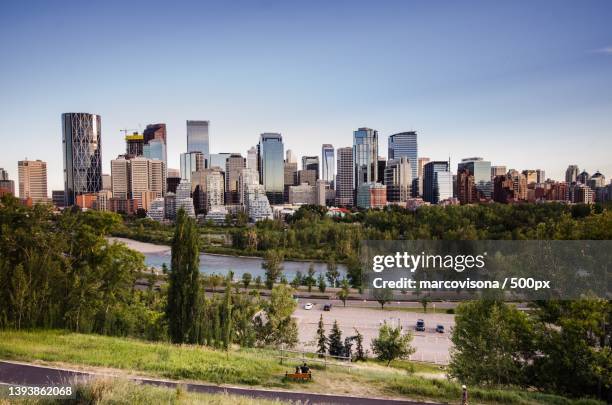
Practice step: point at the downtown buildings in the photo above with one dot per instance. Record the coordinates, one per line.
(32, 181)
(141, 179)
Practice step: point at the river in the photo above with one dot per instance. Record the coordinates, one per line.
(156, 255)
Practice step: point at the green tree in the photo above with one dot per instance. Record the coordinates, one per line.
(184, 281)
(360, 354)
(332, 273)
(391, 344)
(246, 280)
(424, 302)
(276, 325)
(297, 280)
(258, 282)
(336, 348)
(383, 296)
(321, 283)
(343, 294)
(272, 264)
(310, 279)
(493, 343)
(321, 338)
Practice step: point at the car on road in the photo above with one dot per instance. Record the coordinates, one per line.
(420, 325)
(308, 306)
(327, 307)
(440, 328)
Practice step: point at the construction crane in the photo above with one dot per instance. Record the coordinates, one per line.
(126, 131)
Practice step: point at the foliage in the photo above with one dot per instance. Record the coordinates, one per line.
(184, 281)
(272, 264)
(343, 294)
(336, 348)
(276, 325)
(321, 338)
(383, 296)
(391, 344)
(321, 283)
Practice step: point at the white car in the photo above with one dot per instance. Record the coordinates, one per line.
(308, 306)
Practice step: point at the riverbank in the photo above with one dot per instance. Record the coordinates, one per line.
(142, 247)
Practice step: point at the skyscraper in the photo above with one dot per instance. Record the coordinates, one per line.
(233, 166)
(190, 162)
(290, 157)
(437, 182)
(81, 144)
(418, 191)
(32, 176)
(398, 179)
(134, 144)
(328, 162)
(481, 170)
(155, 142)
(365, 156)
(7, 186)
(497, 171)
(404, 144)
(311, 163)
(197, 137)
(271, 166)
(218, 160)
(571, 174)
(344, 179)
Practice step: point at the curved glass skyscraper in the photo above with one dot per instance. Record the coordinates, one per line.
(82, 144)
(328, 162)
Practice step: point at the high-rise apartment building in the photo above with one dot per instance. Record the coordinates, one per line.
(120, 178)
(271, 155)
(328, 163)
(437, 182)
(32, 175)
(197, 137)
(365, 156)
(345, 184)
(215, 189)
(233, 166)
(481, 170)
(404, 144)
(252, 160)
(82, 152)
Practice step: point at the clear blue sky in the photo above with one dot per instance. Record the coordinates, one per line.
(526, 84)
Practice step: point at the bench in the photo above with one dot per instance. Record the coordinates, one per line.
(298, 376)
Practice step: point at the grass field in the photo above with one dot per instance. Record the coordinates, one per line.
(118, 391)
(254, 367)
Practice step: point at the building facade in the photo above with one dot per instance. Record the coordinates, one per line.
(404, 144)
(32, 176)
(437, 182)
(481, 170)
(345, 196)
(197, 137)
(365, 156)
(271, 166)
(82, 152)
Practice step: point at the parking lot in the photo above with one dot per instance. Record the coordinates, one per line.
(430, 346)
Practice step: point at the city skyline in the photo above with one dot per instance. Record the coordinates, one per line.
(529, 94)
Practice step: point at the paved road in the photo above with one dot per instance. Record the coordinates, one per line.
(28, 374)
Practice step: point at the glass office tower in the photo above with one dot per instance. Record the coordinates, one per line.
(437, 182)
(481, 170)
(197, 137)
(82, 150)
(271, 155)
(365, 156)
(404, 144)
(329, 163)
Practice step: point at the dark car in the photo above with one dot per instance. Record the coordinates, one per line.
(420, 325)
(440, 328)
(327, 307)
